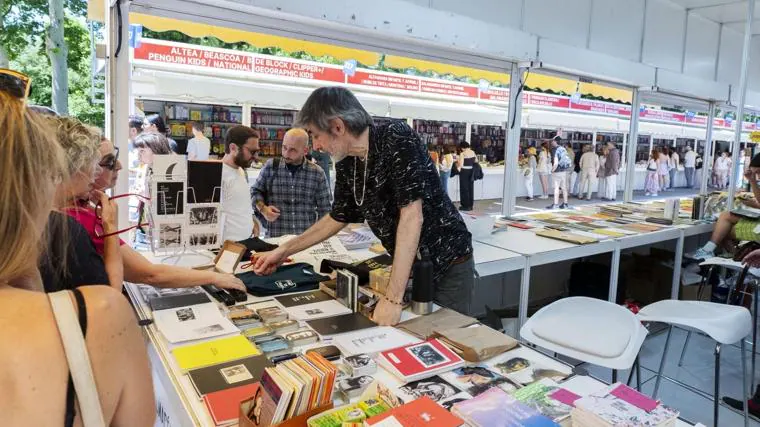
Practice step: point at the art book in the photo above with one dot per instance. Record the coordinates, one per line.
(418, 413)
(213, 352)
(525, 366)
(193, 323)
(373, 340)
(538, 396)
(224, 405)
(620, 405)
(435, 388)
(421, 360)
(477, 379)
(228, 375)
(496, 408)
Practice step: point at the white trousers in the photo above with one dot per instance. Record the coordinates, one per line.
(528, 180)
(588, 178)
(611, 187)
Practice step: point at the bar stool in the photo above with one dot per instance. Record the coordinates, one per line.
(726, 324)
(588, 329)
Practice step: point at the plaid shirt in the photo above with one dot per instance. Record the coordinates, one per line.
(302, 197)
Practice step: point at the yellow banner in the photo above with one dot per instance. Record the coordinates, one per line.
(754, 136)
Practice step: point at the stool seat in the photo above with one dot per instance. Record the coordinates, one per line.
(587, 329)
(729, 264)
(726, 324)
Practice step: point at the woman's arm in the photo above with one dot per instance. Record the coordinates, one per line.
(111, 253)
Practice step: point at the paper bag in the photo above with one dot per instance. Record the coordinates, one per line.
(477, 343)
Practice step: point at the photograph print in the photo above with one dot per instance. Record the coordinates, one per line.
(204, 215)
(203, 239)
(185, 314)
(357, 361)
(427, 355)
(348, 385)
(524, 366)
(435, 387)
(170, 235)
(235, 374)
(169, 198)
(477, 379)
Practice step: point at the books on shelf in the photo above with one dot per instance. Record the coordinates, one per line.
(496, 407)
(194, 322)
(420, 360)
(620, 405)
(214, 352)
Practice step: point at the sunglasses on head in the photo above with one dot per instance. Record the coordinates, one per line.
(110, 160)
(99, 231)
(15, 83)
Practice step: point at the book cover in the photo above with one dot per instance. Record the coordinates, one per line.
(538, 397)
(204, 181)
(477, 379)
(341, 324)
(622, 408)
(435, 388)
(264, 409)
(176, 301)
(148, 292)
(224, 405)
(317, 310)
(418, 360)
(525, 366)
(213, 352)
(373, 340)
(497, 408)
(228, 375)
(421, 412)
(193, 323)
(294, 300)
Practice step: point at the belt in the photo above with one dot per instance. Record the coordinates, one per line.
(462, 259)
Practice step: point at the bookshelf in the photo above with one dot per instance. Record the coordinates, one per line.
(179, 117)
(440, 133)
(272, 125)
(643, 148)
(496, 134)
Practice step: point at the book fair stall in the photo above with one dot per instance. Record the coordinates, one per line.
(300, 348)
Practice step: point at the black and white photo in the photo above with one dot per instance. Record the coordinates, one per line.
(353, 386)
(203, 239)
(358, 361)
(434, 387)
(211, 329)
(170, 198)
(427, 355)
(170, 235)
(185, 314)
(204, 215)
(235, 374)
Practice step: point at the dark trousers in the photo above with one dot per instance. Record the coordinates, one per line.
(466, 190)
(454, 289)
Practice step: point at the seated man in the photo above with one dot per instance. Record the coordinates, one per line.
(291, 193)
(736, 227)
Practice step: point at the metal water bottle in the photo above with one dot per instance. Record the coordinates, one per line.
(422, 284)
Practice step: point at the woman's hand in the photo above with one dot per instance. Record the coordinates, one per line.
(228, 281)
(108, 211)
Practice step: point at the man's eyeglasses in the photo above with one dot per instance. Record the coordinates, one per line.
(110, 160)
(99, 231)
(15, 83)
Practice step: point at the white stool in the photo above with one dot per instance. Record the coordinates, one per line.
(726, 324)
(588, 329)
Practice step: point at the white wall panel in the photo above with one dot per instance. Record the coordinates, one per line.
(730, 56)
(663, 41)
(616, 27)
(701, 47)
(500, 12)
(564, 21)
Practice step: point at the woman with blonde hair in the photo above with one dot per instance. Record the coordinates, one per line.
(72, 357)
(544, 169)
(81, 264)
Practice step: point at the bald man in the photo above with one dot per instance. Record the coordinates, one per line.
(291, 194)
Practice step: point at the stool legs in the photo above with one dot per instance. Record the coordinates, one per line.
(662, 363)
(683, 351)
(744, 383)
(716, 404)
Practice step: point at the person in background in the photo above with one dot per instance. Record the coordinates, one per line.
(732, 226)
(490, 151)
(544, 169)
(434, 156)
(721, 169)
(447, 161)
(589, 166)
(561, 164)
(396, 191)
(673, 163)
(601, 175)
(466, 159)
(689, 163)
(293, 195)
(79, 264)
(35, 367)
(611, 169)
(652, 182)
(155, 123)
(135, 128)
(529, 171)
(662, 168)
(241, 148)
(571, 174)
(198, 147)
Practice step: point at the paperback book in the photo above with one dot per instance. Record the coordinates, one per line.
(416, 361)
(525, 366)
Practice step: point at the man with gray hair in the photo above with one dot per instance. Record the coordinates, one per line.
(385, 176)
(291, 193)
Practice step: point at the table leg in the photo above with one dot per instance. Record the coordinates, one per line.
(524, 293)
(614, 273)
(754, 338)
(677, 260)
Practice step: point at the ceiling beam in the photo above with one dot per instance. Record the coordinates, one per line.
(742, 21)
(725, 3)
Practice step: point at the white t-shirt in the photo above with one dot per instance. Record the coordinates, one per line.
(237, 210)
(690, 159)
(200, 147)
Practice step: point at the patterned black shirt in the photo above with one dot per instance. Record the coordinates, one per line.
(400, 171)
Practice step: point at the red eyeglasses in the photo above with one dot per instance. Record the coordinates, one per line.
(99, 232)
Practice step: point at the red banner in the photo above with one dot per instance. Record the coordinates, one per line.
(547, 100)
(667, 116)
(385, 81)
(494, 94)
(194, 56)
(300, 70)
(601, 107)
(696, 120)
(449, 89)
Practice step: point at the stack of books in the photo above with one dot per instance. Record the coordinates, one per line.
(620, 405)
(497, 408)
(417, 361)
(292, 388)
